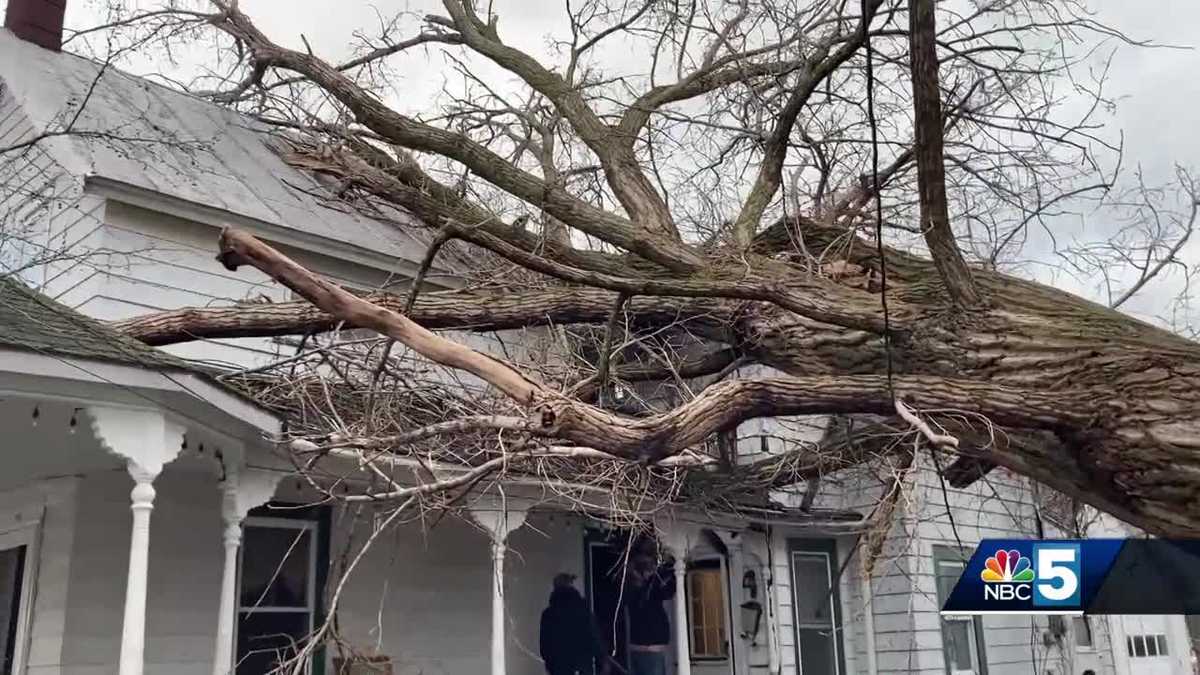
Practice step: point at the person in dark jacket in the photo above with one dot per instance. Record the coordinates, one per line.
(650, 586)
(569, 639)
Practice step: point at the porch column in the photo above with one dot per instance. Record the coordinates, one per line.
(676, 538)
(232, 539)
(499, 652)
(500, 519)
(738, 643)
(683, 655)
(146, 440)
(240, 491)
(133, 628)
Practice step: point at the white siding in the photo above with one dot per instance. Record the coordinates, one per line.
(185, 573)
(38, 194)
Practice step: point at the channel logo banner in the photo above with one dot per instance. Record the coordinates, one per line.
(1076, 576)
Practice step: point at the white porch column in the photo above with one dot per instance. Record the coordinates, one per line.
(240, 491)
(683, 656)
(133, 629)
(676, 539)
(498, 650)
(499, 518)
(739, 645)
(147, 440)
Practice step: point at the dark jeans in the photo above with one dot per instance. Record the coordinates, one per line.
(568, 670)
(648, 663)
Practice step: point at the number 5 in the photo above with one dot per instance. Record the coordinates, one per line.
(1057, 565)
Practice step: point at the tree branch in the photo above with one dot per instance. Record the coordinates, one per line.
(629, 183)
(410, 133)
(931, 167)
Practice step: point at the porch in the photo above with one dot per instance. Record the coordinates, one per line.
(424, 599)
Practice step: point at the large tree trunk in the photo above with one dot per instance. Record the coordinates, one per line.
(1100, 406)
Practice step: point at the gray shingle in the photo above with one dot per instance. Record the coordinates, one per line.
(33, 322)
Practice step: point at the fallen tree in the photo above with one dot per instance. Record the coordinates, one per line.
(1084, 399)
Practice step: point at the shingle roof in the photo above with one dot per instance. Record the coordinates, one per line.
(33, 322)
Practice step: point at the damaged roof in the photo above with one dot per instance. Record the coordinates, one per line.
(136, 133)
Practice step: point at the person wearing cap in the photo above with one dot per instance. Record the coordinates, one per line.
(569, 640)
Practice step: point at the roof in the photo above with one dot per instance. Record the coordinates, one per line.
(33, 322)
(158, 139)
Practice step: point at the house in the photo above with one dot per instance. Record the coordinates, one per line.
(146, 526)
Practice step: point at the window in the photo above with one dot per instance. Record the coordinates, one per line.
(12, 569)
(279, 588)
(817, 606)
(17, 564)
(962, 642)
(1147, 645)
(707, 613)
(1083, 632)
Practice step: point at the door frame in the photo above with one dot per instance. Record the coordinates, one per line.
(594, 538)
(829, 548)
(732, 642)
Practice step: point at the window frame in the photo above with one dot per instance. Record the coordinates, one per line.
(708, 564)
(829, 550)
(291, 516)
(1150, 642)
(26, 537)
(1086, 623)
(943, 554)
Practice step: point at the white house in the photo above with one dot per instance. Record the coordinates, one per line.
(145, 525)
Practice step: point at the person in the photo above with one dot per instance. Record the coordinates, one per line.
(650, 585)
(569, 640)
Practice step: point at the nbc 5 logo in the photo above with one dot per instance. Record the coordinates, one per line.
(1048, 578)
(1058, 582)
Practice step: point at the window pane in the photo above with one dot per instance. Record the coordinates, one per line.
(813, 600)
(947, 576)
(1139, 645)
(957, 636)
(275, 562)
(1083, 631)
(265, 639)
(706, 600)
(1162, 644)
(12, 563)
(817, 652)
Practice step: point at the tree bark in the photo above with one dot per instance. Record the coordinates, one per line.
(1121, 397)
(931, 163)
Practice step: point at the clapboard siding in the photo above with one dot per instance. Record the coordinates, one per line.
(36, 191)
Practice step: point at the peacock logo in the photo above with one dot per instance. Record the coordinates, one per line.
(1007, 567)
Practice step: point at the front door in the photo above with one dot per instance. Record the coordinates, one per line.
(817, 606)
(606, 566)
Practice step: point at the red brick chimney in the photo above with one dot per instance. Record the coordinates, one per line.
(37, 21)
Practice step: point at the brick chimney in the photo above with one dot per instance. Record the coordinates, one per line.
(37, 21)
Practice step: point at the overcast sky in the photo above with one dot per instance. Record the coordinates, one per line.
(1157, 89)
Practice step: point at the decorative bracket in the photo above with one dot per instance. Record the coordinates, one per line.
(146, 439)
(499, 516)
